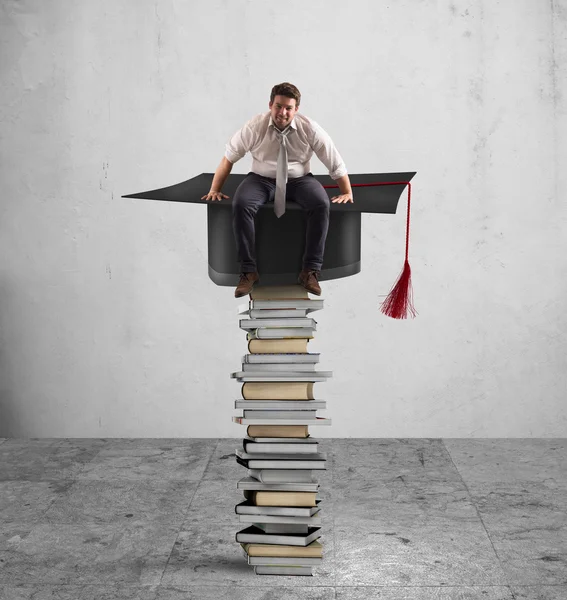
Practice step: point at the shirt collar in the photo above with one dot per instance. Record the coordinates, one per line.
(292, 124)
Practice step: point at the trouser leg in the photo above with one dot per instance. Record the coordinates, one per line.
(312, 197)
(254, 191)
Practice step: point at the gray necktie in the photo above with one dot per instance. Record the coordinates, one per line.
(281, 172)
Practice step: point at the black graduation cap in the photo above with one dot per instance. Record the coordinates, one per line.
(280, 243)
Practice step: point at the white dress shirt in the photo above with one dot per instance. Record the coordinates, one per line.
(258, 137)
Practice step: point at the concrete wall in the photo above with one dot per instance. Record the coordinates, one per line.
(109, 325)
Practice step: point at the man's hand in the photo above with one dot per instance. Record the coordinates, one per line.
(342, 198)
(212, 195)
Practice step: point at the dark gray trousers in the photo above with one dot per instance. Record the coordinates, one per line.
(255, 190)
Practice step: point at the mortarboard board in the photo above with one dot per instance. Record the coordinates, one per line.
(280, 243)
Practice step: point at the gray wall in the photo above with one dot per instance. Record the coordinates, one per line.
(109, 325)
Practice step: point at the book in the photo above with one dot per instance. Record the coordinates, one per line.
(281, 404)
(278, 431)
(316, 421)
(313, 550)
(262, 358)
(281, 560)
(280, 376)
(290, 570)
(248, 508)
(279, 303)
(271, 498)
(272, 367)
(278, 292)
(254, 535)
(249, 483)
(278, 390)
(278, 333)
(274, 313)
(252, 447)
(287, 440)
(282, 475)
(283, 456)
(291, 345)
(284, 528)
(279, 414)
(287, 322)
(280, 463)
(314, 521)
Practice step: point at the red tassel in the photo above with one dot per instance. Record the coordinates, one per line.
(399, 302)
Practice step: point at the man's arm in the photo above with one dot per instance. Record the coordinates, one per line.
(222, 172)
(345, 189)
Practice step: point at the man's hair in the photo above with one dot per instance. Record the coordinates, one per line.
(286, 89)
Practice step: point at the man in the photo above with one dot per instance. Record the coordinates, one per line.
(282, 143)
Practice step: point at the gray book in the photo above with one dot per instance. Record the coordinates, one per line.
(281, 405)
(253, 535)
(276, 313)
(280, 440)
(278, 367)
(288, 303)
(279, 414)
(283, 528)
(280, 333)
(317, 421)
(282, 376)
(283, 456)
(314, 521)
(279, 448)
(247, 508)
(294, 571)
(283, 475)
(296, 561)
(291, 322)
(249, 483)
(298, 357)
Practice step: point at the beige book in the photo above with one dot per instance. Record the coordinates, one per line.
(278, 431)
(278, 390)
(282, 346)
(314, 549)
(262, 498)
(278, 292)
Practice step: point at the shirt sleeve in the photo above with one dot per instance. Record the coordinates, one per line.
(240, 143)
(326, 152)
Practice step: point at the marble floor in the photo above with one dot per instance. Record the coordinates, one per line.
(403, 519)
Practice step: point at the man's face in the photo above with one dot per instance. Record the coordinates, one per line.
(283, 110)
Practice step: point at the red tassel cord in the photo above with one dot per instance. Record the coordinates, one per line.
(399, 302)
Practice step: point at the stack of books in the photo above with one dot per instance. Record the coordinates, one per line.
(281, 512)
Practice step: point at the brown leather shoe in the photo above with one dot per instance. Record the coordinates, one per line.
(246, 283)
(308, 279)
